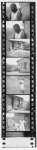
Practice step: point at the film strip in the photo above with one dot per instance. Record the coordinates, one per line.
(3, 23)
(32, 72)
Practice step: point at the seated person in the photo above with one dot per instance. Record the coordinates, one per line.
(16, 13)
(19, 33)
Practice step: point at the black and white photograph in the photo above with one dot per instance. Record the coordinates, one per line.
(17, 122)
(17, 84)
(17, 11)
(17, 66)
(17, 47)
(18, 103)
(17, 38)
(17, 112)
(18, 74)
(19, 29)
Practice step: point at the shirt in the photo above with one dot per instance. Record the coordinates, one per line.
(18, 36)
(14, 16)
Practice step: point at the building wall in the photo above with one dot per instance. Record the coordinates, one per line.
(25, 10)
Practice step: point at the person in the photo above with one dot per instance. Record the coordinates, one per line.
(16, 13)
(22, 125)
(22, 87)
(19, 33)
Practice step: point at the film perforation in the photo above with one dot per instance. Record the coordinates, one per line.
(32, 54)
(3, 7)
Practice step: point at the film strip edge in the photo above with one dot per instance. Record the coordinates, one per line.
(32, 74)
(3, 46)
